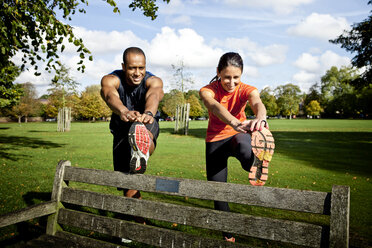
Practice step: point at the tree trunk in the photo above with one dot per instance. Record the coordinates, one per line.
(19, 119)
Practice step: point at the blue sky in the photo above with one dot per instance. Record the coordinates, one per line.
(281, 41)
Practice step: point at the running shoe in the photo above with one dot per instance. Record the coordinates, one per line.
(139, 141)
(263, 150)
(232, 239)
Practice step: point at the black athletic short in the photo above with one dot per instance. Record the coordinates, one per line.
(121, 148)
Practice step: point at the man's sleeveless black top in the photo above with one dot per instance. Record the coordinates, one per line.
(133, 97)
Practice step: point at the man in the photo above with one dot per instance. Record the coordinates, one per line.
(133, 94)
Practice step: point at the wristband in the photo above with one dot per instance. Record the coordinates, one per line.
(149, 113)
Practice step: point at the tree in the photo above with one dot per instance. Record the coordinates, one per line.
(339, 97)
(314, 94)
(359, 40)
(288, 99)
(196, 109)
(365, 100)
(269, 100)
(170, 102)
(55, 102)
(91, 104)
(64, 82)
(313, 108)
(33, 29)
(28, 104)
(9, 93)
(183, 79)
(196, 94)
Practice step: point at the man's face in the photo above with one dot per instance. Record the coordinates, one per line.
(134, 69)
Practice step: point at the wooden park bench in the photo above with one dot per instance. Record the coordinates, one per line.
(67, 211)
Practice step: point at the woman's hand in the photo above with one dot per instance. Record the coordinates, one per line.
(254, 125)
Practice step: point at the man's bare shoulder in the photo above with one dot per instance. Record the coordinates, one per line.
(110, 80)
(154, 81)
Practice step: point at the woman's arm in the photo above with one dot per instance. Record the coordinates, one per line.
(221, 112)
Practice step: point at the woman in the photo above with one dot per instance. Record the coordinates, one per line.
(229, 133)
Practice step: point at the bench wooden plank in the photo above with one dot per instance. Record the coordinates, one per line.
(289, 199)
(260, 227)
(86, 241)
(339, 223)
(42, 209)
(137, 232)
(46, 241)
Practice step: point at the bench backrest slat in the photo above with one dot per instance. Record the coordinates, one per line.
(142, 233)
(288, 199)
(266, 228)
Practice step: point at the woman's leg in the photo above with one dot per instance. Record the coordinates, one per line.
(216, 161)
(242, 150)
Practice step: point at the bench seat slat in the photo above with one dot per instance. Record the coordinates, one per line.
(288, 199)
(137, 232)
(260, 227)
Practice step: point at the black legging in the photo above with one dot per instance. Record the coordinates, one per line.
(217, 154)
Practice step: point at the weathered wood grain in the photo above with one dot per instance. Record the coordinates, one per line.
(83, 241)
(141, 233)
(289, 199)
(28, 213)
(260, 227)
(58, 184)
(339, 223)
(47, 241)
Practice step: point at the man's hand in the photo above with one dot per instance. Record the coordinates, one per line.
(130, 116)
(146, 119)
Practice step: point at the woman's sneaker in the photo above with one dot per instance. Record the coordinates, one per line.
(263, 150)
(139, 141)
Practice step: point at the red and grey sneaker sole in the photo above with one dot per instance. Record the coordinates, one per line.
(139, 141)
(263, 149)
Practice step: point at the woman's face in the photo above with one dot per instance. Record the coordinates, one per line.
(230, 77)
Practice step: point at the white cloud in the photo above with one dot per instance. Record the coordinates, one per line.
(308, 62)
(312, 68)
(279, 6)
(170, 46)
(269, 55)
(320, 26)
(101, 42)
(329, 59)
(259, 55)
(250, 72)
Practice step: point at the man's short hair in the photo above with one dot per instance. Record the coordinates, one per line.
(134, 50)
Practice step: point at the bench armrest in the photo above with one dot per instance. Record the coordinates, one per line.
(28, 213)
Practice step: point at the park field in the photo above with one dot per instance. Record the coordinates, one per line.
(309, 155)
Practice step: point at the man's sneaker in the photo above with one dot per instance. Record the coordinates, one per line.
(263, 150)
(232, 239)
(139, 141)
(126, 241)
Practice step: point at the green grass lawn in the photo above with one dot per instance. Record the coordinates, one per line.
(309, 155)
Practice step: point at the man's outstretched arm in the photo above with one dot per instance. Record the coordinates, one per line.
(109, 93)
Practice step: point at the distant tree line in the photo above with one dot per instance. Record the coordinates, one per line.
(333, 97)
